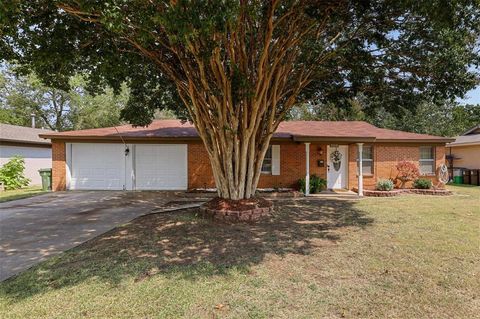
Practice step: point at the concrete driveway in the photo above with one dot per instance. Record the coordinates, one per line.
(36, 228)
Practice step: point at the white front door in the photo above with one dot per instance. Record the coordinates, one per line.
(161, 167)
(337, 166)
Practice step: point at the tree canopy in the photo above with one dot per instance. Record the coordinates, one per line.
(442, 118)
(56, 109)
(236, 68)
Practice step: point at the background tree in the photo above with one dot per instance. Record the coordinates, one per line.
(238, 67)
(444, 118)
(57, 109)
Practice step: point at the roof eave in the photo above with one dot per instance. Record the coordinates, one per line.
(117, 137)
(417, 140)
(464, 144)
(349, 139)
(24, 141)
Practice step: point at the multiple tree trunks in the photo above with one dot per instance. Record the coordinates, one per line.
(238, 83)
(257, 81)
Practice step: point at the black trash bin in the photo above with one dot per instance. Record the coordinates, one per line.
(46, 174)
(474, 177)
(466, 176)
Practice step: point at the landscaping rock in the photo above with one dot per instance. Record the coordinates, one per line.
(396, 192)
(223, 210)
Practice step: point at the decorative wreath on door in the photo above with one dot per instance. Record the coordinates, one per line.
(336, 158)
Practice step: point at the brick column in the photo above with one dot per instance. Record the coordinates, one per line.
(360, 169)
(307, 169)
(59, 182)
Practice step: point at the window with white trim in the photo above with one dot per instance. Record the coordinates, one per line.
(367, 160)
(267, 161)
(427, 160)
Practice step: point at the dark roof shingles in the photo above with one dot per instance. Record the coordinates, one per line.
(22, 134)
(289, 129)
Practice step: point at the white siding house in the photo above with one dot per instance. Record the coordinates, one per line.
(24, 141)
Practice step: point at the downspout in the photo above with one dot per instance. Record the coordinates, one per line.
(127, 151)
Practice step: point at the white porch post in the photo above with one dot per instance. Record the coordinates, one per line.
(360, 169)
(307, 170)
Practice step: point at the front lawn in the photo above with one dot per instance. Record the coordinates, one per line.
(25, 192)
(412, 256)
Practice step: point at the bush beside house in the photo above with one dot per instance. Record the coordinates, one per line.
(12, 174)
(422, 183)
(407, 172)
(317, 184)
(384, 185)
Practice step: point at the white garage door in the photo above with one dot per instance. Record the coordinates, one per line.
(162, 167)
(97, 166)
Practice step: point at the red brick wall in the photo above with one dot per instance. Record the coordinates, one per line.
(59, 173)
(292, 166)
(199, 168)
(386, 156)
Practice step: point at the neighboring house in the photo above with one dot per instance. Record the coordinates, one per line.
(465, 151)
(169, 155)
(25, 142)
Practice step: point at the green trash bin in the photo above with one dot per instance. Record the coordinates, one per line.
(46, 174)
(458, 176)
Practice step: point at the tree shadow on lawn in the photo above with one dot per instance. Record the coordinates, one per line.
(183, 245)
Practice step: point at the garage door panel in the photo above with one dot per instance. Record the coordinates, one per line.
(97, 166)
(161, 167)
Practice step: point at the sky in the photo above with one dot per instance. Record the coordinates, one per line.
(472, 97)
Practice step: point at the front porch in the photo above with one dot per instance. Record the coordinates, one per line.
(339, 163)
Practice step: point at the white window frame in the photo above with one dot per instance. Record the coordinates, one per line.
(270, 158)
(427, 160)
(366, 160)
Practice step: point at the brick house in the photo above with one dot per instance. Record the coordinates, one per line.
(169, 155)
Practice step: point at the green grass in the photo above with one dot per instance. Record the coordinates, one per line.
(412, 256)
(25, 192)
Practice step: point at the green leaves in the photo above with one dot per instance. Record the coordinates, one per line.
(394, 52)
(57, 109)
(12, 173)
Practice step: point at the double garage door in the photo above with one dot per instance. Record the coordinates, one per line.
(99, 166)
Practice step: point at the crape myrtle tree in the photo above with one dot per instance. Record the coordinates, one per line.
(236, 68)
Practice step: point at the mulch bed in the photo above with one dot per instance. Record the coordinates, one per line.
(396, 192)
(244, 210)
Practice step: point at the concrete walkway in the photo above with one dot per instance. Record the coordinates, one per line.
(33, 229)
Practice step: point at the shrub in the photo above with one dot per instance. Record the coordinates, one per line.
(384, 185)
(12, 173)
(407, 171)
(317, 184)
(422, 183)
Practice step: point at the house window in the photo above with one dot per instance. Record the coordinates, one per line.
(267, 162)
(367, 160)
(427, 160)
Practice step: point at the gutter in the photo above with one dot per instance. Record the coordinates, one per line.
(423, 140)
(7, 141)
(463, 144)
(116, 137)
(333, 139)
(294, 138)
